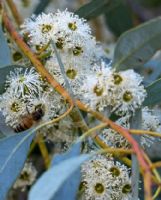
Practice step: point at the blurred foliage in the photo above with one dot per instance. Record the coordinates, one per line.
(150, 3)
(119, 17)
(93, 9)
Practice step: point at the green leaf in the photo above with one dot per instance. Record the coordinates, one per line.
(5, 54)
(135, 123)
(119, 18)
(55, 177)
(135, 47)
(153, 93)
(93, 9)
(71, 185)
(13, 153)
(41, 6)
(150, 3)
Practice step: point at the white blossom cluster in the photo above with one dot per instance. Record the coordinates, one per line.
(95, 82)
(25, 92)
(121, 91)
(103, 178)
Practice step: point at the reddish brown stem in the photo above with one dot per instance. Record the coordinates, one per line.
(15, 12)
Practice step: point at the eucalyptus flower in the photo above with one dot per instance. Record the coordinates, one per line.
(24, 81)
(27, 177)
(102, 178)
(12, 108)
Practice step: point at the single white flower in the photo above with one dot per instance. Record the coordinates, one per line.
(12, 107)
(41, 28)
(75, 74)
(71, 26)
(126, 94)
(94, 91)
(24, 81)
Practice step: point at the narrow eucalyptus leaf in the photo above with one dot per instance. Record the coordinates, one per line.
(93, 9)
(135, 47)
(135, 124)
(41, 6)
(55, 177)
(13, 153)
(70, 186)
(119, 18)
(5, 54)
(153, 93)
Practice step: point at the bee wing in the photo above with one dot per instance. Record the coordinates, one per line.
(4, 129)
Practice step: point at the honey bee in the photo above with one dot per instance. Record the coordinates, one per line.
(27, 121)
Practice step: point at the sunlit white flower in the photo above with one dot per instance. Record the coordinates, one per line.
(74, 73)
(96, 188)
(27, 176)
(102, 178)
(41, 28)
(125, 91)
(12, 107)
(122, 190)
(72, 27)
(24, 81)
(94, 89)
(129, 99)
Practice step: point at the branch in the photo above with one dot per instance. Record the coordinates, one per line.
(15, 12)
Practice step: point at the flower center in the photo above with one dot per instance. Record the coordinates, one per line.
(22, 79)
(71, 73)
(127, 96)
(60, 43)
(77, 51)
(46, 28)
(26, 3)
(115, 171)
(99, 188)
(117, 79)
(15, 107)
(96, 164)
(17, 56)
(126, 189)
(98, 90)
(72, 26)
(82, 186)
(24, 176)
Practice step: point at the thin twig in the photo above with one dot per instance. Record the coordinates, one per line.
(115, 151)
(141, 132)
(15, 12)
(43, 150)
